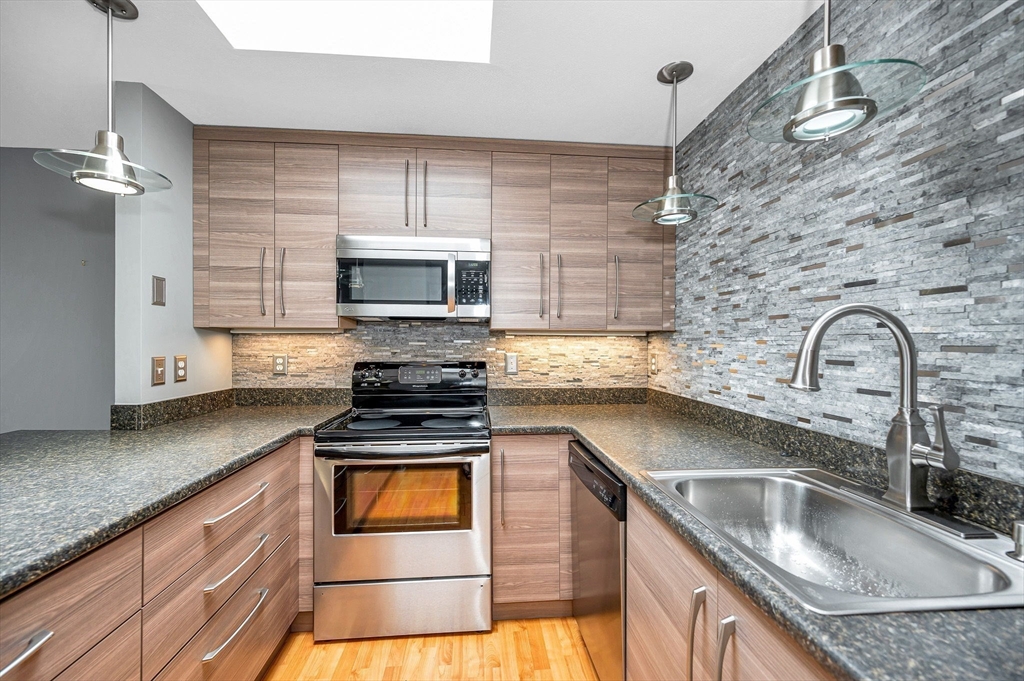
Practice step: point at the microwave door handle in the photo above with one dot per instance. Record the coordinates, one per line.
(451, 283)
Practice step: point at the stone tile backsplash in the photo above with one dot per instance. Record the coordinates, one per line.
(325, 360)
(921, 214)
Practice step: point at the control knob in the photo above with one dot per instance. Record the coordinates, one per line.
(475, 373)
(378, 374)
(462, 373)
(364, 374)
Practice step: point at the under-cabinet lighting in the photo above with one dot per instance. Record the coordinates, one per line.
(441, 30)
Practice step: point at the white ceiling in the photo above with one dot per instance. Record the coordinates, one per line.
(571, 70)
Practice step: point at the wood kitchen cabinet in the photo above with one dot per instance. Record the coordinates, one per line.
(388, 191)
(579, 242)
(663, 574)
(520, 240)
(635, 249)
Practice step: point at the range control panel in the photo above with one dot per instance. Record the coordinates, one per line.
(472, 282)
(419, 374)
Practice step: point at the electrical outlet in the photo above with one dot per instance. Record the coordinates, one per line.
(159, 370)
(654, 364)
(281, 364)
(180, 368)
(511, 363)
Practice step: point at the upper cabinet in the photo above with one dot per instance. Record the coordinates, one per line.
(389, 191)
(520, 240)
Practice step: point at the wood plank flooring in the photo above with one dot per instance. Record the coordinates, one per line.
(541, 649)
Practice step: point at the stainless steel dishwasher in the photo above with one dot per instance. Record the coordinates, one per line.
(599, 548)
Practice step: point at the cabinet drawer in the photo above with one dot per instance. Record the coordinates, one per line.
(180, 610)
(179, 538)
(240, 638)
(115, 658)
(80, 604)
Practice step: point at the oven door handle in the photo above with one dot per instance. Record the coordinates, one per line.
(390, 451)
(414, 461)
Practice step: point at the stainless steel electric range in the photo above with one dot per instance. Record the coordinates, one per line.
(402, 505)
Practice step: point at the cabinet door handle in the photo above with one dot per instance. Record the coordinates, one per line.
(616, 315)
(406, 192)
(424, 193)
(726, 628)
(501, 485)
(216, 651)
(558, 312)
(34, 644)
(541, 311)
(213, 521)
(209, 588)
(283, 311)
(263, 255)
(697, 599)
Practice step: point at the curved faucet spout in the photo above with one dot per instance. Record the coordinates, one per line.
(805, 373)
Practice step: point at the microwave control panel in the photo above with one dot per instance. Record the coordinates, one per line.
(472, 282)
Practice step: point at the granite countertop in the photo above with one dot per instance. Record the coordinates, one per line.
(965, 644)
(64, 492)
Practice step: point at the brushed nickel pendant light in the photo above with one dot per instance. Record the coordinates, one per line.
(837, 97)
(675, 207)
(105, 167)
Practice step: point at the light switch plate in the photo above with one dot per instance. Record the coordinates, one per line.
(511, 363)
(180, 368)
(281, 364)
(159, 370)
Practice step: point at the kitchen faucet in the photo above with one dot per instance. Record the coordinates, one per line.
(908, 448)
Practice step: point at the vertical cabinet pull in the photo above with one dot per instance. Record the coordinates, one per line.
(406, 192)
(697, 598)
(424, 193)
(726, 628)
(283, 310)
(540, 313)
(216, 651)
(616, 314)
(34, 644)
(558, 311)
(501, 484)
(263, 255)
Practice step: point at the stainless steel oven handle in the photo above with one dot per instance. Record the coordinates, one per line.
(451, 282)
(341, 460)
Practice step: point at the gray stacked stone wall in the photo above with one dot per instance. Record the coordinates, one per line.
(921, 213)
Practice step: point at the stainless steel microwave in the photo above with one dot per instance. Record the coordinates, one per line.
(388, 277)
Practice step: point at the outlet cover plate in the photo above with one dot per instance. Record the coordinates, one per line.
(180, 368)
(281, 365)
(511, 363)
(159, 372)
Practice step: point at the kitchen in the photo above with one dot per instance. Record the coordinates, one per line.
(425, 392)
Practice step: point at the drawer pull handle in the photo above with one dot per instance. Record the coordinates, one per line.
(213, 521)
(726, 628)
(700, 594)
(209, 588)
(34, 644)
(216, 651)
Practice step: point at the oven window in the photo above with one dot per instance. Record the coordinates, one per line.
(402, 498)
(379, 281)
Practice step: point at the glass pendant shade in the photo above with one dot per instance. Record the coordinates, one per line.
(105, 167)
(674, 207)
(836, 98)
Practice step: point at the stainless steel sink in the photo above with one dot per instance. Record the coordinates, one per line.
(839, 553)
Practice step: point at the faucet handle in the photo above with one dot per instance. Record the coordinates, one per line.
(941, 453)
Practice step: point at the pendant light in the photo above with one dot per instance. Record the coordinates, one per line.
(105, 167)
(676, 207)
(837, 97)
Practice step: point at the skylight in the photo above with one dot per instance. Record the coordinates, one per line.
(441, 30)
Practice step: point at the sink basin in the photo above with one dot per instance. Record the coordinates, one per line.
(839, 553)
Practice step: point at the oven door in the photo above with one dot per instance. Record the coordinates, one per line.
(391, 516)
(383, 283)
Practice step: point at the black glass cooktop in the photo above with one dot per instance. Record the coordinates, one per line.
(427, 424)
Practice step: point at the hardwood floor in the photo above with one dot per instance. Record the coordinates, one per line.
(542, 649)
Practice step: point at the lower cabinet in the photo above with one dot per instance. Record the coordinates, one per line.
(675, 604)
(531, 539)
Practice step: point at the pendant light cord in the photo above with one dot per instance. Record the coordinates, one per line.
(828, 22)
(110, 69)
(675, 81)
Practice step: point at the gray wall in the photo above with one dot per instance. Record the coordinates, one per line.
(154, 237)
(56, 315)
(921, 214)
